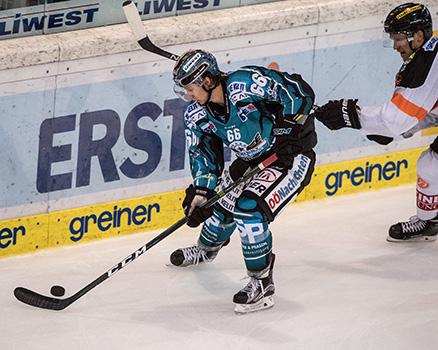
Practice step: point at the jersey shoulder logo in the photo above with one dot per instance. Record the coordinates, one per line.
(209, 127)
(236, 86)
(240, 96)
(237, 91)
(430, 45)
(194, 113)
(244, 111)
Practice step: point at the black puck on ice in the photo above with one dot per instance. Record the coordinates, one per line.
(57, 291)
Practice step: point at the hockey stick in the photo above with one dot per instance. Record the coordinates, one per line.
(139, 31)
(32, 298)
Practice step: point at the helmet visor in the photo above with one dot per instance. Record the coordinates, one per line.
(391, 40)
(194, 77)
(181, 90)
(182, 93)
(387, 41)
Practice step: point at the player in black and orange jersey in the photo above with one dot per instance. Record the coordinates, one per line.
(413, 107)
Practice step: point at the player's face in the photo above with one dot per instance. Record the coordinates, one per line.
(401, 45)
(197, 93)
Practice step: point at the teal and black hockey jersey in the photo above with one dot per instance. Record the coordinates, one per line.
(255, 99)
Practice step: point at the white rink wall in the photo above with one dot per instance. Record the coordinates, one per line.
(335, 45)
(193, 28)
(88, 117)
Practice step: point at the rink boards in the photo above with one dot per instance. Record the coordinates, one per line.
(113, 219)
(93, 136)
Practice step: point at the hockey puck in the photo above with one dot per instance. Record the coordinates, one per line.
(57, 291)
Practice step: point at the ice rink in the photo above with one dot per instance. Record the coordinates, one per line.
(339, 285)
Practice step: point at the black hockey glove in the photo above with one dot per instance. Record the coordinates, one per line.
(287, 150)
(193, 203)
(238, 168)
(381, 140)
(339, 114)
(286, 145)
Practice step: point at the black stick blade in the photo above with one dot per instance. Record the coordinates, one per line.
(44, 302)
(139, 31)
(148, 45)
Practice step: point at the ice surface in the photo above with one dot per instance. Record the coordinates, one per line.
(340, 285)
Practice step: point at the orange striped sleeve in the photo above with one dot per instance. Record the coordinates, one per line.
(408, 107)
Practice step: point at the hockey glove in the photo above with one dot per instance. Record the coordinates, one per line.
(339, 114)
(193, 203)
(292, 139)
(238, 168)
(286, 146)
(287, 150)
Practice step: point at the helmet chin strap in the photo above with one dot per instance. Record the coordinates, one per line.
(209, 91)
(410, 40)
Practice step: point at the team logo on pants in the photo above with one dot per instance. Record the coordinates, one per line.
(422, 183)
(267, 175)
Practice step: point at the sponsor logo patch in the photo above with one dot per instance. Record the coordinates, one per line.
(427, 202)
(245, 111)
(290, 184)
(209, 127)
(236, 86)
(268, 175)
(281, 131)
(194, 114)
(408, 11)
(238, 96)
(422, 183)
(430, 45)
(345, 115)
(189, 64)
(262, 181)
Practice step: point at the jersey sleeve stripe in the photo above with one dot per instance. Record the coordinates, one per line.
(408, 107)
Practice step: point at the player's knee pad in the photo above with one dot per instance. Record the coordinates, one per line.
(427, 184)
(217, 229)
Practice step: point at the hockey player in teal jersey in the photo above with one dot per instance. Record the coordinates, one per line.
(255, 112)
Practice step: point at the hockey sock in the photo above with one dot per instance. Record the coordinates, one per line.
(256, 238)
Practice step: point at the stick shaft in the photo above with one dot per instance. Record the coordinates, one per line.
(140, 34)
(35, 299)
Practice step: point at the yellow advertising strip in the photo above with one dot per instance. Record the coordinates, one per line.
(364, 174)
(86, 224)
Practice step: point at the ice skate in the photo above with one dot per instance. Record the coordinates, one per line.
(258, 294)
(195, 254)
(414, 230)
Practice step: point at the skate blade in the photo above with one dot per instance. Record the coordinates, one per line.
(177, 267)
(172, 266)
(262, 304)
(413, 239)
